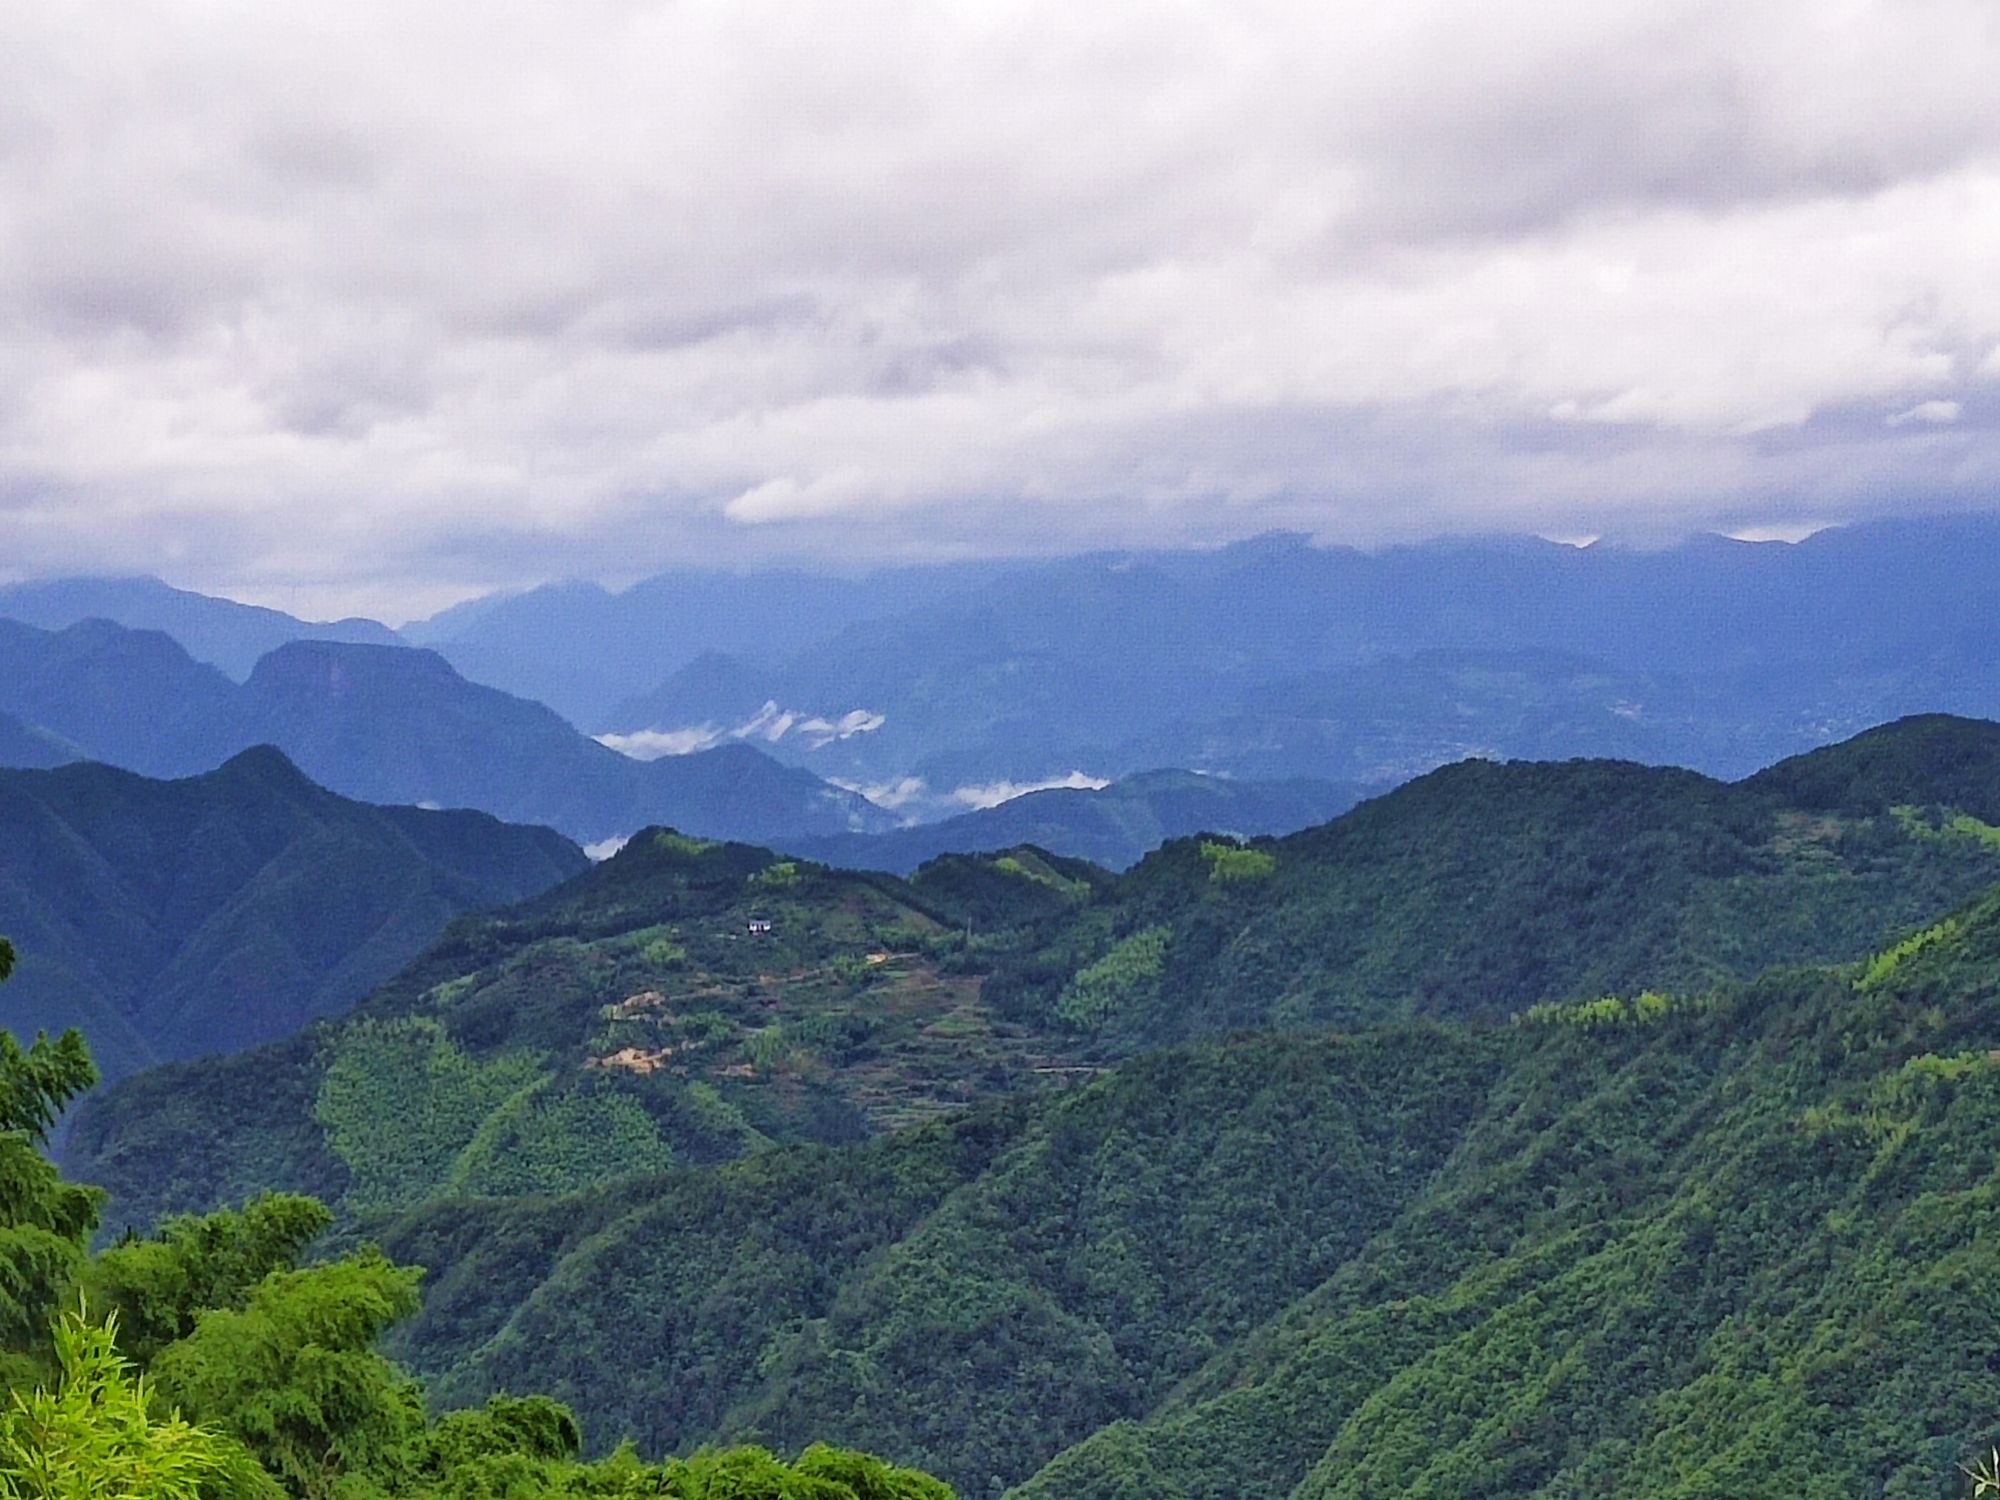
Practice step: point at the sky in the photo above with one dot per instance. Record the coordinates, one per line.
(374, 306)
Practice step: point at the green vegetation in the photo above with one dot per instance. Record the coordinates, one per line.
(631, 1018)
(1944, 823)
(1607, 1010)
(170, 919)
(621, 1024)
(1884, 964)
(1229, 863)
(913, 1171)
(1126, 977)
(94, 1434)
(1482, 889)
(1738, 1244)
(225, 1368)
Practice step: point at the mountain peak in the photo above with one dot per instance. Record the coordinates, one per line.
(1925, 758)
(339, 662)
(265, 763)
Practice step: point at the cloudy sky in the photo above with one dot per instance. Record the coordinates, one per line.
(377, 305)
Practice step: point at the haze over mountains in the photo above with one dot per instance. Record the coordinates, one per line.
(221, 632)
(390, 724)
(936, 689)
(1277, 658)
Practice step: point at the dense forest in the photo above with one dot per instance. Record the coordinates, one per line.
(169, 919)
(216, 1360)
(632, 1020)
(1648, 1154)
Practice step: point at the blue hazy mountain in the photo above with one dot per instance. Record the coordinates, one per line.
(582, 648)
(132, 698)
(1278, 658)
(1274, 659)
(1114, 826)
(221, 632)
(391, 724)
(24, 747)
(174, 918)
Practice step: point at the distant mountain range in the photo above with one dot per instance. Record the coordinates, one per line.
(387, 724)
(169, 919)
(934, 689)
(221, 632)
(1113, 826)
(1272, 658)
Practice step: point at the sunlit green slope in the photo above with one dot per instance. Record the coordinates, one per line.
(644, 1016)
(1735, 1244)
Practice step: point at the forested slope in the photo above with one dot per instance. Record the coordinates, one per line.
(1482, 888)
(1592, 1209)
(623, 1022)
(175, 918)
(1734, 1244)
(221, 1359)
(633, 1018)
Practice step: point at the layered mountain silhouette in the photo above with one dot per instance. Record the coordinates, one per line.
(1113, 826)
(1273, 659)
(1279, 658)
(169, 919)
(220, 632)
(391, 724)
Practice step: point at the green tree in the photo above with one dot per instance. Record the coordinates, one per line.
(294, 1376)
(1985, 1476)
(45, 1222)
(159, 1286)
(93, 1434)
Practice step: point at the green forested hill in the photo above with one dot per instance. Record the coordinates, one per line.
(217, 1359)
(174, 918)
(1481, 888)
(632, 1018)
(1574, 1207)
(621, 1022)
(1741, 1245)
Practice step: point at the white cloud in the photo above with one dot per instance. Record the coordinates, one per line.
(354, 304)
(603, 849)
(891, 796)
(653, 744)
(992, 794)
(769, 724)
(1933, 413)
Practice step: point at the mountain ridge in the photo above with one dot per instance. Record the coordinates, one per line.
(218, 631)
(391, 724)
(171, 918)
(698, 1001)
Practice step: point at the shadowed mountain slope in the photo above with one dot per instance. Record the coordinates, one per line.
(174, 918)
(391, 724)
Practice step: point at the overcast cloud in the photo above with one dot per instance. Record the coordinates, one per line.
(374, 305)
